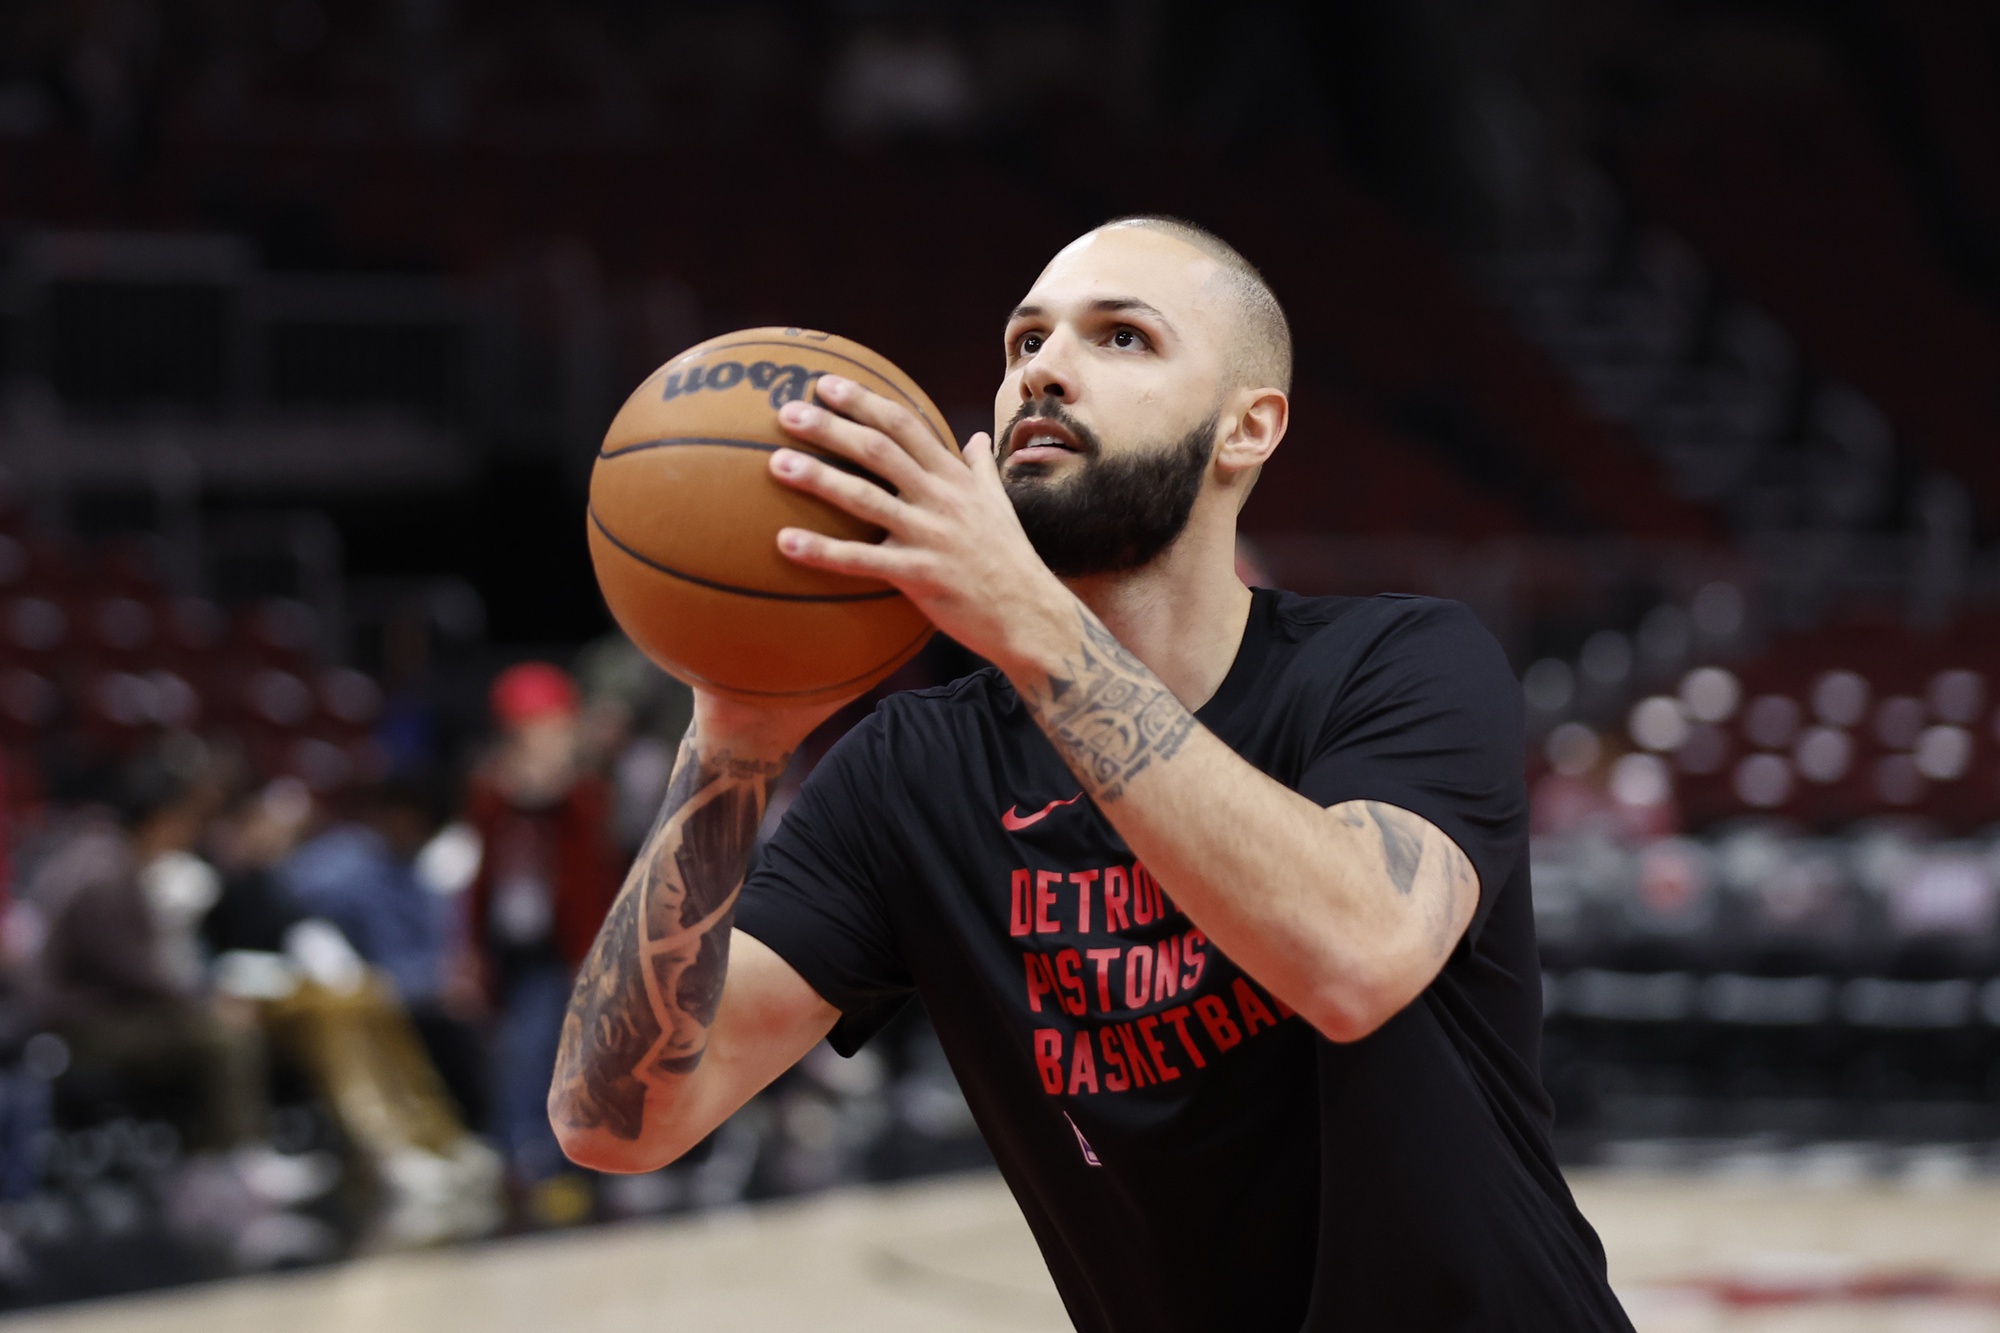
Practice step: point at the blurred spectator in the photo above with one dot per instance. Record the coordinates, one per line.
(361, 875)
(545, 882)
(245, 843)
(337, 902)
(343, 1024)
(120, 980)
(119, 974)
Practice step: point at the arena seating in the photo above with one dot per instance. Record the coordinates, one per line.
(1800, 204)
(98, 653)
(1817, 954)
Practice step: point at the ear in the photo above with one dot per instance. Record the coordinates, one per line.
(1259, 426)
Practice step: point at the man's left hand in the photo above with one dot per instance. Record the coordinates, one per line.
(953, 546)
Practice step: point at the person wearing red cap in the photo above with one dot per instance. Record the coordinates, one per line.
(547, 876)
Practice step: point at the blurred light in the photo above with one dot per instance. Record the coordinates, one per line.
(1705, 751)
(324, 765)
(1665, 634)
(1957, 696)
(1674, 877)
(1840, 698)
(45, 1057)
(1549, 685)
(1641, 780)
(1657, 724)
(1898, 721)
(1944, 894)
(123, 698)
(1767, 1001)
(1897, 780)
(1606, 657)
(1710, 694)
(1572, 749)
(447, 863)
(1763, 780)
(1944, 753)
(1881, 1003)
(280, 698)
(1718, 610)
(286, 800)
(174, 701)
(1824, 754)
(350, 696)
(1772, 720)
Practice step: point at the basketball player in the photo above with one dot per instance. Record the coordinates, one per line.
(1218, 897)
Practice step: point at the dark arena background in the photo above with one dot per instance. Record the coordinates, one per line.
(1665, 334)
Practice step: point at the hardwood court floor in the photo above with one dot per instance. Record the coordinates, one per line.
(953, 1257)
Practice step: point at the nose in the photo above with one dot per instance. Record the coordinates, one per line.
(1049, 374)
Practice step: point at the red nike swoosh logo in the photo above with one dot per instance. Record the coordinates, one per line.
(1014, 821)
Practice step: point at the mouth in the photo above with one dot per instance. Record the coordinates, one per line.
(1040, 440)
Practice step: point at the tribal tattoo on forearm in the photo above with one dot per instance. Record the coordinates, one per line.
(1108, 714)
(647, 995)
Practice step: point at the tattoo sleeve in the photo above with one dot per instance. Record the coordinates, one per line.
(647, 995)
(1109, 716)
(1409, 861)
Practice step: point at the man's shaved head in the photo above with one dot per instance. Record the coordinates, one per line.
(1265, 360)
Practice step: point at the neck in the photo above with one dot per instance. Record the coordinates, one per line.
(1182, 614)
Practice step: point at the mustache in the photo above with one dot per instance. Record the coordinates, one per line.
(1050, 409)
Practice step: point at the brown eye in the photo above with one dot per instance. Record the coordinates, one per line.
(1127, 338)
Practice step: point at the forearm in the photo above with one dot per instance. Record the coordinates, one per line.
(1344, 913)
(645, 1001)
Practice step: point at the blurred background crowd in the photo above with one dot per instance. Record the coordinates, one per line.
(1663, 333)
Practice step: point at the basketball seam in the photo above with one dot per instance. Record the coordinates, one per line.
(672, 441)
(847, 465)
(698, 580)
(902, 652)
(852, 361)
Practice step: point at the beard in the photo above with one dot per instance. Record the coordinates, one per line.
(1116, 513)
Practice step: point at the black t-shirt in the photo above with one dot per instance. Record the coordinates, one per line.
(1189, 1154)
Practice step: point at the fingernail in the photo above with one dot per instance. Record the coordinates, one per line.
(797, 413)
(791, 542)
(788, 463)
(832, 384)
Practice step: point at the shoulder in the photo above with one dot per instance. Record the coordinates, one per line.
(92, 853)
(966, 704)
(1433, 631)
(330, 859)
(914, 733)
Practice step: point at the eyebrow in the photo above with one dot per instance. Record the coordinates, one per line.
(1109, 305)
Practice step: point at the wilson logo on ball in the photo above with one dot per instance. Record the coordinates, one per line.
(786, 383)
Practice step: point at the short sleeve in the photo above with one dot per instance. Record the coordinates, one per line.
(816, 894)
(1431, 721)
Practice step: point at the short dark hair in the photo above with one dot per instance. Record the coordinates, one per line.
(1267, 345)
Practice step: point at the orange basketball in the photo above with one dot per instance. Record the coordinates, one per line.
(684, 519)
